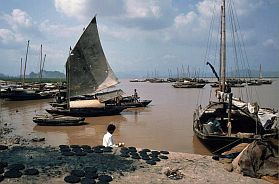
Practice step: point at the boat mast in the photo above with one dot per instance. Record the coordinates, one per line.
(223, 48)
(20, 75)
(68, 80)
(41, 60)
(43, 65)
(25, 63)
(261, 76)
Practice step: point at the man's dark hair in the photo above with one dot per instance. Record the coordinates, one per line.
(111, 127)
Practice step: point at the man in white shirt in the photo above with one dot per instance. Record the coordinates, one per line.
(107, 139)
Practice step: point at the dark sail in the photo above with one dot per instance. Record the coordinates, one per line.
(87, 68)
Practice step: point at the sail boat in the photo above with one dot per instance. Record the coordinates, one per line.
(87, 73)
(224, 123)
(260, 81)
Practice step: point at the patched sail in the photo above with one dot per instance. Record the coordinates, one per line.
(87, 68)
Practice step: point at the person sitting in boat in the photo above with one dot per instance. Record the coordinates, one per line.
(215, 125)
(108, 139)
(269, 123)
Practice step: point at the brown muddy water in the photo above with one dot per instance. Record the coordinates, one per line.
(166, 124)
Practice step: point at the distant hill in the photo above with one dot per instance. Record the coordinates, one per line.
(2, 75)
(254, 73)
(47, 74)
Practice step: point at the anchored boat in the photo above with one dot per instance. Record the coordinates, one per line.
(88, 73)
(48, 120)
(229, 121)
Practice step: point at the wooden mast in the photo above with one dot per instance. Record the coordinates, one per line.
(41, 60)
(25, 62)
(68, 79)
(20, 75)
(43, 64)
(223, 48)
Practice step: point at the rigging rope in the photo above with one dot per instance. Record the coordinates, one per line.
(207, 57)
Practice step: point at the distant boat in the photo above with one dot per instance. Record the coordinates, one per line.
(156, 80)
(25, 91)
(188, 84)
(88, 73)
(254, 82)
(260, 81)
(134, 80)
(232, 85)
(19, 94)
(224, 123)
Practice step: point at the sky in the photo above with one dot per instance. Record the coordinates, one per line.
(138, 37)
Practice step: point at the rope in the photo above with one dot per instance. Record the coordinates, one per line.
(226, 146)
(206, 56)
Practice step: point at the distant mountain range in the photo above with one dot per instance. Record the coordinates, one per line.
(208, 73)
(141, 74)
(45, 74)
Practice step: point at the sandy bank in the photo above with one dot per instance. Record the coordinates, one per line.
(53, 167)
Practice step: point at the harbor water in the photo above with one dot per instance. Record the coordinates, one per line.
(166, 124)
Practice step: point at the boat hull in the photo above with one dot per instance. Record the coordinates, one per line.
(188, 86)
(88, 112)
(219, 143)
(58, 121)
(142, 103)
(24, 96)
(243, 125)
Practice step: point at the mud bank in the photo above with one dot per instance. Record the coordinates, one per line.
(53, 167)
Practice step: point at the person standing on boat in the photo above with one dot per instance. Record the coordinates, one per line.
(135, 95)
(108, 139)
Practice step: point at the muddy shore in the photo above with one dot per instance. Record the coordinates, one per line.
(53, 166)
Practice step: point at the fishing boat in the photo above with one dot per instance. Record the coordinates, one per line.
(232, 85)
(188, 84)
(19, 94)
(49, 120)
(229, 121)
(25, 91)
(130, 102)
(260, 80)
(87, 74)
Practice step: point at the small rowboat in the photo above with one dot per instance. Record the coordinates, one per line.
(49, 120)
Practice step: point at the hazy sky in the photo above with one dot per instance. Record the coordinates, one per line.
(137, 36)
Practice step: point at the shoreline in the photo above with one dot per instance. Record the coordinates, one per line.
(53, 167)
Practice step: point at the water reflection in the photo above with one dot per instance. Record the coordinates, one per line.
(198, 147)
(91, 133)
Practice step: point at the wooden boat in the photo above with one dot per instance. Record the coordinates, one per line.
(26, 91)
(229, 121)
(254, 83)
(58, 105)
(88, 73)
(232, 85)
(260, 80)
(19, 94)
(127, 101)
(48, 120)
(188, 84)
(88, 112)
(131, 102)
